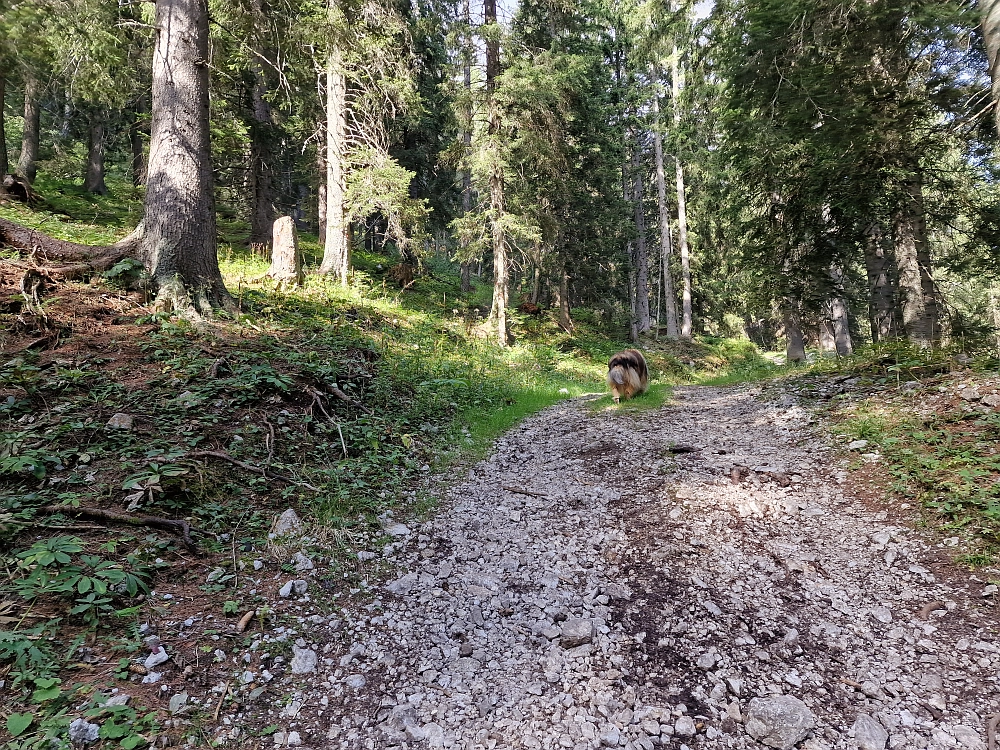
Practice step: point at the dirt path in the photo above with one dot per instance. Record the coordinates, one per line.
(585, 587)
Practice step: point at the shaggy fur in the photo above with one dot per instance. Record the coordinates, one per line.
(627, 375)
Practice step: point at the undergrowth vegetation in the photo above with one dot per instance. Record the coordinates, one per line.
(138, 450)
(930, 426)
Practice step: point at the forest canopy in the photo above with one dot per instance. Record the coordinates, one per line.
(813, 172)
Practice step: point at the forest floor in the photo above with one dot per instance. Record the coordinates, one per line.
(705, 574)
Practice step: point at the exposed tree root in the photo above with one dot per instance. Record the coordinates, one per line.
(179, 527)
(266, 473)
(61, 260)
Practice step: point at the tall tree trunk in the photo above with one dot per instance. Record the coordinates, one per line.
(882, 289)
(135, 130)
(641, 251)
(27, 164)
(666, 238)
(827, 340)
(795, 350)
(840, 324)
(916, 281)
(4, 161)
(990, 10)
(261, 163)
(677, 85)
(337, 251)
(501, 267)
(562, 303)
(178, 242)
(633, 316)
(93, 182)
(468, 52)
(321, 188)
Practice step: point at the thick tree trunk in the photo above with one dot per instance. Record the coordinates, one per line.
(337, 250)
(27, 164)
(990, 10)
(93, 181)
(261, 164)
(795, 350)
(4, 161)
(286, 260)
(827, 340)
(882, 289)
(501, 266)
(641, 251)
(179, 237)
(137, 127)
(666, 238)
(916, 280)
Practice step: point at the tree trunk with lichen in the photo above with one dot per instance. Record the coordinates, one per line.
(93, 181)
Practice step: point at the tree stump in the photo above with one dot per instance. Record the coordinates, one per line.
(286, 261)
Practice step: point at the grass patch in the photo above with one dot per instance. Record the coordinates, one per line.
(658, 395)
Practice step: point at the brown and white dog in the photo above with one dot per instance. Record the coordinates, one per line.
(627, 375)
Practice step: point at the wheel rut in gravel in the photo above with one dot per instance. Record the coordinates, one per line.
(587, 587)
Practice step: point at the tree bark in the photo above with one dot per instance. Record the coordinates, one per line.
(677, 87)
(321, 189)
(561, 291)
(261, 163)
(840, 324)
(666, 238)
(60, 259)
(468, 52)
(179, 238)
(94, 180)
(286, 260)
(916, 281)
(337, 249)
(27, 163)
(990, 10)
(501, 269)
(882, 289)
(4, 161)
(795, 350)
(136, 128)
(641, 251)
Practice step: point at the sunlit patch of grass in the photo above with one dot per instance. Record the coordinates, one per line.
(658, 395)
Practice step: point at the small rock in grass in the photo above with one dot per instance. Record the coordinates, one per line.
(82, 732)
(156, 658)
(302, 562)
(286, 524)
(857, 445)
(120, 421)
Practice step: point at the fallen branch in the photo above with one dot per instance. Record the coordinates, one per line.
(218, 706)
(61, 259)
(344, 397)
(925, 611)
(245, 620)
(318, 401)
(178, 526)
(519, 491)
(266, 473)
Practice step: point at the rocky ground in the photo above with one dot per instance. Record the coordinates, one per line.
(693, 577)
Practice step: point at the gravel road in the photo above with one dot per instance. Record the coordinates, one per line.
(592, 585)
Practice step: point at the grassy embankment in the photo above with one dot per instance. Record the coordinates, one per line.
(426, 392)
